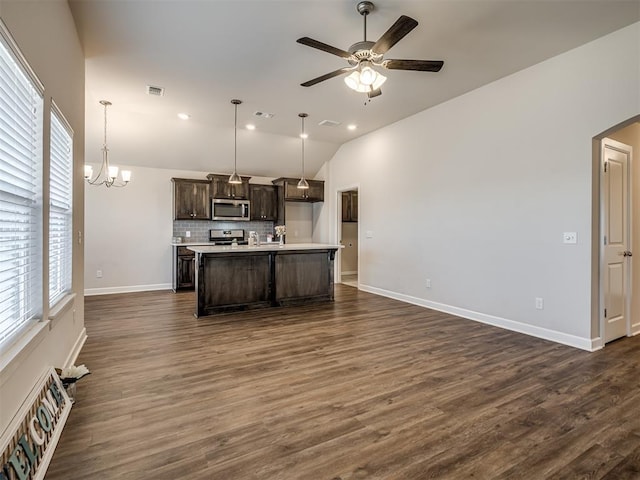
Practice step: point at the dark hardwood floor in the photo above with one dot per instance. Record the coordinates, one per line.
(365, 387)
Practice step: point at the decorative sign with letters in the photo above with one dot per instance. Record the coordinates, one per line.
(29, 442)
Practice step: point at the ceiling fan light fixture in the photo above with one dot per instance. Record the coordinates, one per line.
(353, 80)
(379, 80)
(367, 74)
(365, 79)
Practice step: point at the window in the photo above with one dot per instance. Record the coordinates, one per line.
(61, 202)
(21, 107)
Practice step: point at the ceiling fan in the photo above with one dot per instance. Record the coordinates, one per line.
(362, 56)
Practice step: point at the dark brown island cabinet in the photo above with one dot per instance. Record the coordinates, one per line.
(222, 189)
(264, 202)
(257, 277)
(191, 199)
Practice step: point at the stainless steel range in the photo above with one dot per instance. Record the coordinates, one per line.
(226, 237)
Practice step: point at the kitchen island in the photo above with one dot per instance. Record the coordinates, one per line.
(230, 278)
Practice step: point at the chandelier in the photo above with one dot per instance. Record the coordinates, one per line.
(108, 174)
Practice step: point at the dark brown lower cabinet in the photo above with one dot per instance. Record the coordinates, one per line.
(184, 271)
(240, 280)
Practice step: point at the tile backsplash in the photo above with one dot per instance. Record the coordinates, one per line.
(200, 229)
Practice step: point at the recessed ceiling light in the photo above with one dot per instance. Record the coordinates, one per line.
(352, 127)
(304, 135)
(251, 126)
(184, 116)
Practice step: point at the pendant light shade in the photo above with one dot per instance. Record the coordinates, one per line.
(235, 178)
(303, 184)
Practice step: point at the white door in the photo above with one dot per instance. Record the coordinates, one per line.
(616, 261)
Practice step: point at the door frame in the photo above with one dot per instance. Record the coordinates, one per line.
(623, 148)
(339, 191)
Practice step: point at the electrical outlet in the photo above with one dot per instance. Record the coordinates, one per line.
(539, 303)
(428, 283)
(98, 273)
(369, 234)
(187, 234)
(570, 237)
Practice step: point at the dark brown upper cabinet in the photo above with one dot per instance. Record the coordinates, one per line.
(221, 188)
(264, 202)
(191, 199)
(350, 206)
(291, 192)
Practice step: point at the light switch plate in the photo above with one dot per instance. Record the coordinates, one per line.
(570, 237)
(369, 234)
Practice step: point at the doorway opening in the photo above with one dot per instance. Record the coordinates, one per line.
(348, 211)
(616, 292)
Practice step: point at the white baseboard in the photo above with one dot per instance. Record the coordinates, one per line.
(88, 292)
(75, 351)
(539, 332)
(354, 272)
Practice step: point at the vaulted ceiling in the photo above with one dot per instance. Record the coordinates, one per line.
(204, 53)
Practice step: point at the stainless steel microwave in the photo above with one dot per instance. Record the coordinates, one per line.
(237, 210)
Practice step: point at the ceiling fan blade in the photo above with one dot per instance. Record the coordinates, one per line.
(421, 65)
(310, 42)
(326, 76)
(395, 33)
(375, 93)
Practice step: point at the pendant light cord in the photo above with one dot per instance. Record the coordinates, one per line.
(302, 147)
(235, 140)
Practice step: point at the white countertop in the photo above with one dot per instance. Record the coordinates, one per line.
(265, 247)
(189, 244)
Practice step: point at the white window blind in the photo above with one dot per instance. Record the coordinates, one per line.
(20, 192)
(60, 207)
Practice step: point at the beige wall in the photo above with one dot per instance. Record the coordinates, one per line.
(489, 182)
(46, 35)
(631, 136)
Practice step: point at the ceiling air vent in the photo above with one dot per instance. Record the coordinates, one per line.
(157, 91)
(329, 123)
(263, 114)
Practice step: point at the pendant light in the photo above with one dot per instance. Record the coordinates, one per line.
(303, 184)
(108, 174)
(235, 178)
